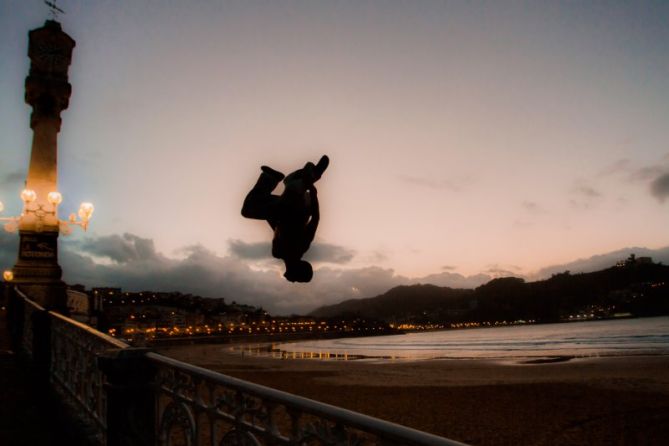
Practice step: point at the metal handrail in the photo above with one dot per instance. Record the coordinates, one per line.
(28, 300)
(91, 331)
(30, 309)
(365, 423)
(87, 328)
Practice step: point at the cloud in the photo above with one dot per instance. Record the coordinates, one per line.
(656, 175)
(328, 253)
(646, 173)
(533, 207)
(659, 187)
(135, 266)
(503, 270)
(602, 261)
(432, 184)
(453, 280)
(623, 166)
(449, 267)
(587, 191)
(120, 248)
(250, 251)
(585, 196)
(376, 256)
(12, 178)
(318, 252)
(9, 245)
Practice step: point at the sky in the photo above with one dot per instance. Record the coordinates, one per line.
(468, 140)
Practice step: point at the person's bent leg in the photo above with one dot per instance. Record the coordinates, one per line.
(259, 203)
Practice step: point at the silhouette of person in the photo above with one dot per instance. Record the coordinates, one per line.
(293, 215)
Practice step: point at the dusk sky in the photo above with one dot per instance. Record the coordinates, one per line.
(468, 140)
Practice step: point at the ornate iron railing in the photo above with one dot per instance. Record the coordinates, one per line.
(132, 397)
(196, 406)
(30, 310)
(74, 369)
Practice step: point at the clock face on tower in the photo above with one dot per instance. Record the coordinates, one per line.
(51, 57)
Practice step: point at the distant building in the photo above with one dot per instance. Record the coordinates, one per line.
(107, 293)
(634, 260)
(84, 307)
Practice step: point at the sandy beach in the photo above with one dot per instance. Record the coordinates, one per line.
(594, 401)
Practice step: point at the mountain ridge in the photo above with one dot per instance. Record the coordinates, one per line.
(637, 286)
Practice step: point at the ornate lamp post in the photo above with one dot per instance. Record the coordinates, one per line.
(48, 91)
(42, 215)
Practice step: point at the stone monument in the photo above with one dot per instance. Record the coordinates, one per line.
(37, 271)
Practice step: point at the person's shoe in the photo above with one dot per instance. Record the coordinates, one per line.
(275, 174)
(323, 164)
(314, 172)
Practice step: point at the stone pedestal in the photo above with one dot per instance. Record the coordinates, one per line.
(37, 271)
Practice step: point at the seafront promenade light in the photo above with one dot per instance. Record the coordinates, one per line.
(43, 214)
(8, 275)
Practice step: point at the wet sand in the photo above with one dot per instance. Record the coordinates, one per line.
(595, 401)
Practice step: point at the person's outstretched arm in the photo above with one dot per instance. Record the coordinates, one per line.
(315, 215)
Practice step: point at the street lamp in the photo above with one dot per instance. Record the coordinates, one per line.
(44, 214)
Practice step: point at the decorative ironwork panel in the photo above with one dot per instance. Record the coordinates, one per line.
(196, 406)
(74, 370)
(29, 310)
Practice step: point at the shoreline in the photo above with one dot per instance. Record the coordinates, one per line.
(593, 401)
(269, 350)
(161, 342)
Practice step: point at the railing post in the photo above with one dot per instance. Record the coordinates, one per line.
(130, 397)
(41, 346)
(15, 309)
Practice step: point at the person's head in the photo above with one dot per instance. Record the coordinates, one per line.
(298, 271)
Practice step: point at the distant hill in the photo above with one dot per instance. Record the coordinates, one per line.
(405, 301)
(638, 287)
(602, 261)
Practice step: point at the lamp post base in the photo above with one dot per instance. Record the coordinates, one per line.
(37, 272)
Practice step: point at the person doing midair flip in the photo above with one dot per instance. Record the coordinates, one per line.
(293, 215)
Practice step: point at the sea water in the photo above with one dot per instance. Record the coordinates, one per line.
(642, 336)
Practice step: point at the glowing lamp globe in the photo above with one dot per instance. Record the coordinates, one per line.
(86, 211)
(28, 195)
(8, 275)
(55, 198)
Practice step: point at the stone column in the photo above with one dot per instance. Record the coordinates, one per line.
(37, 271)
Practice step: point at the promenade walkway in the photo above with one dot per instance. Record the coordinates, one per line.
(29, 415)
